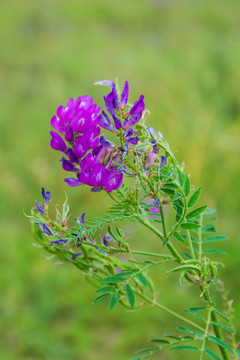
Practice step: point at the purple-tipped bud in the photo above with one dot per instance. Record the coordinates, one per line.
(133, 140)
(105, 122)
(68, 166)
(150, 159)
(117, 122)
(46, 196)
(124, 97)
(105, 240)
(132, 121)
(105, 82)
(82, 218)
(163, 161)
(138, 106)
(76, 255)
(69, 135)
(156, 202)
(105, 142)
(46, 230)
(40, 208)
(57, 142)
(72, 182)
(112, 98)
(60, 241)
(128, 133)
(152, 132)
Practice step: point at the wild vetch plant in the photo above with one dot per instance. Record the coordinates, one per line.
(114, 152)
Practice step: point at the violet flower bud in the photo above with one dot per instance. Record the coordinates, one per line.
(124, 97)
(112, 98)
(150, 159)
(105, 82)
(138, 106)
(57, 142)
(105, 122)
(133, 140)
(163, 161)
(73, 182)
(104, 142)
(60, 241)
(40, 208)
(152, 132)
(76, 255)
(68, 166)
(132, 121)
(46, 196)
(69, 136)
(46, 230)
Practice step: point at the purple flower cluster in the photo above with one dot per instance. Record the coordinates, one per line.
(77, 123)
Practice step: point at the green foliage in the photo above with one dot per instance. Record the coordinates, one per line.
(130, 295)
(114, 300)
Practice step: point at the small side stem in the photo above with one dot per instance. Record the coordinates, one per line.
(160, 306)
(206, 333)
(216, 329)
(190, 244)
(200, 238)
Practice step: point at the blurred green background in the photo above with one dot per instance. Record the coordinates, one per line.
(184, 56)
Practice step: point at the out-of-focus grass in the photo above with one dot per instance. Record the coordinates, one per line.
(185, 58)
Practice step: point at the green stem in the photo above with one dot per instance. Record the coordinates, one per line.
(217, 330)
(200, 238)
(206, 333)
(157, 304)
(160, 235)
(190, 244)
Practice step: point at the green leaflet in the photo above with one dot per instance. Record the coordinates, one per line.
(224, 327)
(209, 211)
(141, 357)
(220, 342)
(178, 236)
(180, 176)
(113, 300)
(197, 308)
(215, 251)
(161, 341)
(172, 336)
(196, 212)
(186, 187)
(222, 315)
(100, 299)
(191, 331)
(105, 289)
(142, 279)
(190, 225)
(130, 295)
(112, 279)
(194, 198)
(211, 354)
(184, 347)
(195, 314)
(214, 238)
(147, 349)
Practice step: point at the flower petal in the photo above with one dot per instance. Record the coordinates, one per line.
(124, 97)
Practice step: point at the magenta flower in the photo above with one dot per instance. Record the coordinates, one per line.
(78, 123)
